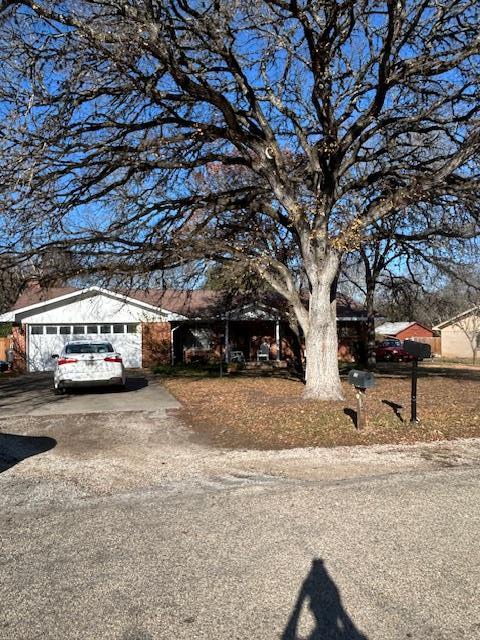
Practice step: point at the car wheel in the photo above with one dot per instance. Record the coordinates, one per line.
(387, 357)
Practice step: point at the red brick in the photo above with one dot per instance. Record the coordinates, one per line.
(156, 343)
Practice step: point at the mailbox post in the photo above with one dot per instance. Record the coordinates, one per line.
(361, 380)
(413, 403)
(419, 351)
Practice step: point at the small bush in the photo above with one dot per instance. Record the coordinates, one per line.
(234, 367)
(5, 329)
(196, 369)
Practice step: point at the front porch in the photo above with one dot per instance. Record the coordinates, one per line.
(247, 342)
(253, 336)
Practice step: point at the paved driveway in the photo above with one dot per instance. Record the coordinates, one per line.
(33, 395)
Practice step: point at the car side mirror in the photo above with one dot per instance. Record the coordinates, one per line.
(54, 356)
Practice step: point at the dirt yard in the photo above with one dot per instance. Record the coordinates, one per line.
(269, 413)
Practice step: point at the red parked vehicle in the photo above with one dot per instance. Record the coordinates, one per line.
(391, 350)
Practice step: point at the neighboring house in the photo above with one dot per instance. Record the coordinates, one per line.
(404, 330)
(161, 326)
(461, 335)
(410, 331)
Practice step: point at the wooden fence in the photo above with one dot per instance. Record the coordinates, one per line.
(4, 345)
(435, 343)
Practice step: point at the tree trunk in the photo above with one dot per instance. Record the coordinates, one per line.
(371, 355)
(322, 375)
(296, 346)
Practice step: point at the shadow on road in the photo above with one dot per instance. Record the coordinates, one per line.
(332, 622)
(14, 449)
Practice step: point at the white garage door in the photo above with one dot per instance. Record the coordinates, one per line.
(47, 339)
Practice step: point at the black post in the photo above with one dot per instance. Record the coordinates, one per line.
(413, 415)
(221, 356)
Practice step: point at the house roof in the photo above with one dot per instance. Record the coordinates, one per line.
(459, 316)
(34, 301)
(393, 328)
(200, 303)
(34, 295)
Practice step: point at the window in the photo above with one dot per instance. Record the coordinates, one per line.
(104, 328)
(36, 330)
(65, 331)
(51, 331)
(78, 329)
(118, 328)
(132, 328)
(89, 347)
(92, 328)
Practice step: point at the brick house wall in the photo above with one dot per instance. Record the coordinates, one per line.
(415, 331)
(156, 343)
(19, 349)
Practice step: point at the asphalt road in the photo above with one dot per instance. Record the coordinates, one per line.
(118, 525)
(400, 559)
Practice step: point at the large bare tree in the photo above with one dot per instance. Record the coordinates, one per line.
(115, 113)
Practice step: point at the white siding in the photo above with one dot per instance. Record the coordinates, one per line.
(93, 309)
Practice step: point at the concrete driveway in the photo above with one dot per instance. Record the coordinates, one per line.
(33, 395)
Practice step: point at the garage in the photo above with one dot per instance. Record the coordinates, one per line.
(44, 340)
(86, 314)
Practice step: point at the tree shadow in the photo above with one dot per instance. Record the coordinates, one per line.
(351, 413)
(14, 449)
(332, 622)
(428, 370)
(395, 408)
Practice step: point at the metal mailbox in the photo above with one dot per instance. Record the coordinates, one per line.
(418, 350)
(361, 379)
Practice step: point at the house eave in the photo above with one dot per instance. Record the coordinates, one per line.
(450, 321)
(16, 315)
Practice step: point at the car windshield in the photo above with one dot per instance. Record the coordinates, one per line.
(391, 343)
(89, 347)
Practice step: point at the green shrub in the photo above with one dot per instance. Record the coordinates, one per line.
(181, 369)
(5, 329)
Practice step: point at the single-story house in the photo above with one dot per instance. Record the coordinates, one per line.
(409, 331)
(162, 326)
(460, 335)
(404, 330)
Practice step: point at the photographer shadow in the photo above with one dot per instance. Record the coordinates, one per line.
(332, 622)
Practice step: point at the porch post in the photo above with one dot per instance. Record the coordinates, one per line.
(227, 345)
(172, 346)
(277, 338)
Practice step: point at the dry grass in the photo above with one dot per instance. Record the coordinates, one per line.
(265, 413)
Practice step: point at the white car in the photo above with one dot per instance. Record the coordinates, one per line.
(86, 364)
